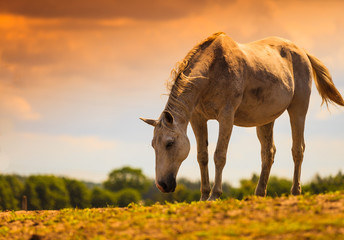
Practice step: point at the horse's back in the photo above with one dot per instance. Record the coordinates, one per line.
(277, 52)
(273, 72)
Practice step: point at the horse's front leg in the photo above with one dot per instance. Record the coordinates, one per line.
(225, 129)
(199, 126)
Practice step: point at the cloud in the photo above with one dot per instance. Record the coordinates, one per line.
(13, 105)
(60, 68)
(30, 55)
(137, 9)
(88, 143)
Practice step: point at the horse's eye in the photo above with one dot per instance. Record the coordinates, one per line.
(169, 144)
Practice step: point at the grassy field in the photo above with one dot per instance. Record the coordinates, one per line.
(302, 217)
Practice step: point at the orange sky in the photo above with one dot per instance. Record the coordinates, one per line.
(82, 68)
(61, 50)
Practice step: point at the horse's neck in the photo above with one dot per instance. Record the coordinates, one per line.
(182, 105)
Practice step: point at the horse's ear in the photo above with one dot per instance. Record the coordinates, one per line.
(168, 117)
(150, 121)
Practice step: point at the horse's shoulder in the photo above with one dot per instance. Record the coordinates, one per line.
(225, 42)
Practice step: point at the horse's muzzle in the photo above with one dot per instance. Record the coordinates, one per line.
(167, 185)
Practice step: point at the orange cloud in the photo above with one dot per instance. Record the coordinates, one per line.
(15, 106)
(59, 49)
(149, 9)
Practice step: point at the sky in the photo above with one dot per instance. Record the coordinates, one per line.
(75, 76)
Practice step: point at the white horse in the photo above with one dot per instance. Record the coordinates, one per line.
(237, 84)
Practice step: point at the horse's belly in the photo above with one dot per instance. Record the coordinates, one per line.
(261, 106)
(249, 119)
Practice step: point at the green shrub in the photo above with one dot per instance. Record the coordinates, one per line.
(126, 196)
(127, 177)
(79, 194)
(46, 193)
(7, 197)
(102, 198)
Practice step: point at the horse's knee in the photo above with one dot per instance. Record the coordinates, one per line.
(269, 154)
(220, 159)
(297, 152)
(202, 158)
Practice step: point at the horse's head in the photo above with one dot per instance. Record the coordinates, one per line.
(171, 146)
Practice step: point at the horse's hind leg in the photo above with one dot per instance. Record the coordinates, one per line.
(268, 150)
(199, 126)
(297, 121)
(297, 111)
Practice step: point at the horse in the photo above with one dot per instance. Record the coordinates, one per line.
(247, 85)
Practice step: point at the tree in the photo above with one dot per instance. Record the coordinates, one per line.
(102, 198)
(278, 186)
(127, 177)
(228, 191)
(325, 184)
(247, 187)
(79, 194)
(46, 192)
(33, 199)
(7, 198)
(17, 185)
(126, 196)
(192, 185)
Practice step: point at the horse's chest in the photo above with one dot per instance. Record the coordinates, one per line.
(209, 109)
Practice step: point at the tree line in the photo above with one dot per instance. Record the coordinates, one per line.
(127, 185)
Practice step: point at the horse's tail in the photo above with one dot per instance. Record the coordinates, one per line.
(323, 82)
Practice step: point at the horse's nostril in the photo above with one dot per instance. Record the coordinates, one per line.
(167, 185)
(163, 185)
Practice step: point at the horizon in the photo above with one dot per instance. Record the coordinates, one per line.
(237, 185)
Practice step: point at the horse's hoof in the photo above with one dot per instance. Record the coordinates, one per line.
(296, 191)
(204, 198)
(213, 197)
(260, 193)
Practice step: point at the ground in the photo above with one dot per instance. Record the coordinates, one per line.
(301, 217)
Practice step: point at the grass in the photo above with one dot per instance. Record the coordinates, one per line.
(302, 217)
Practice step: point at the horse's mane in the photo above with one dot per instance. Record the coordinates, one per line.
(179, 82)
(181, 66)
